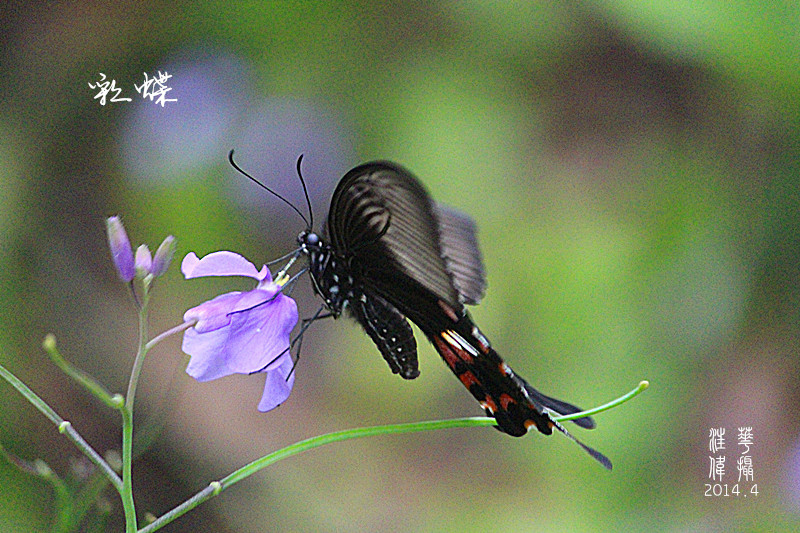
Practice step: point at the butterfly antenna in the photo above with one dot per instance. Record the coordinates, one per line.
(599, 457)
(305, 191)
(284, 200)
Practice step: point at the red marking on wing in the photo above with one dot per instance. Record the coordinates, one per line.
(489, 404)
(447, 352)
(505, 401)
(456, 347)
(453, 356)
(468, 379)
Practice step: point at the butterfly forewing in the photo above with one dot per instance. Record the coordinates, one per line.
(385, 223)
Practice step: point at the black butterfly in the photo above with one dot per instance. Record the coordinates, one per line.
(390, 254)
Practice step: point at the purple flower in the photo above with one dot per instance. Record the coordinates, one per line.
(121, 251)
(241, 332)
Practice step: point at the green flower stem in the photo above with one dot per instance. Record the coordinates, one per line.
(126, 490)
(605, 407)
(84, 379)
(94, 457)
(126, 411)
(206, 494)
(63, 427)
(141, 353)
(314, 442)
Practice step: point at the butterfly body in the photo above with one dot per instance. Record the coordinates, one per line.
(332, 276)
(392, 254)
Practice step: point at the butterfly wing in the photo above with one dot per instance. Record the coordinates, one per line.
(458, 242)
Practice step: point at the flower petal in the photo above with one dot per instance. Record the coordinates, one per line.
(221, 263)
(278, 387)
(214, 314)
(143, 261)
(206, 364)
(241, 332)
(261, 334)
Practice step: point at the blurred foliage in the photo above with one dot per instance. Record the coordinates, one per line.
(634, 171)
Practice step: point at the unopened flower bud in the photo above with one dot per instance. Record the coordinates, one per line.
(121, 251)
(144, 262)
(163, 256)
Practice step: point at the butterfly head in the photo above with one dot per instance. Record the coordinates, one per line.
(308, 240)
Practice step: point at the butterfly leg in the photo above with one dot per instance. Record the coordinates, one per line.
(305, 324)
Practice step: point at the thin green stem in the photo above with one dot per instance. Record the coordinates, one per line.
(347, 434)
(606, 406)
(84, 379)
(141, 353)
(126, 410)
(314, 442)
(206, 494)
(126, 491)
(64, 427)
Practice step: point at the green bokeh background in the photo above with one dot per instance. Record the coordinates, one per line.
(634, 168)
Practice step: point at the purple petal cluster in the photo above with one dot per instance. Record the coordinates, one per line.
(241, 332)
(141, 265)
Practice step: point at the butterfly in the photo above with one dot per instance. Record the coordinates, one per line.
(388, 254)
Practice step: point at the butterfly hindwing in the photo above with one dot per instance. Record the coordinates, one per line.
(459, 248)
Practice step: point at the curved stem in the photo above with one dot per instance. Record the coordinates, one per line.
(64, 427)
(88, 382)
(606, 406)
(314, 442)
